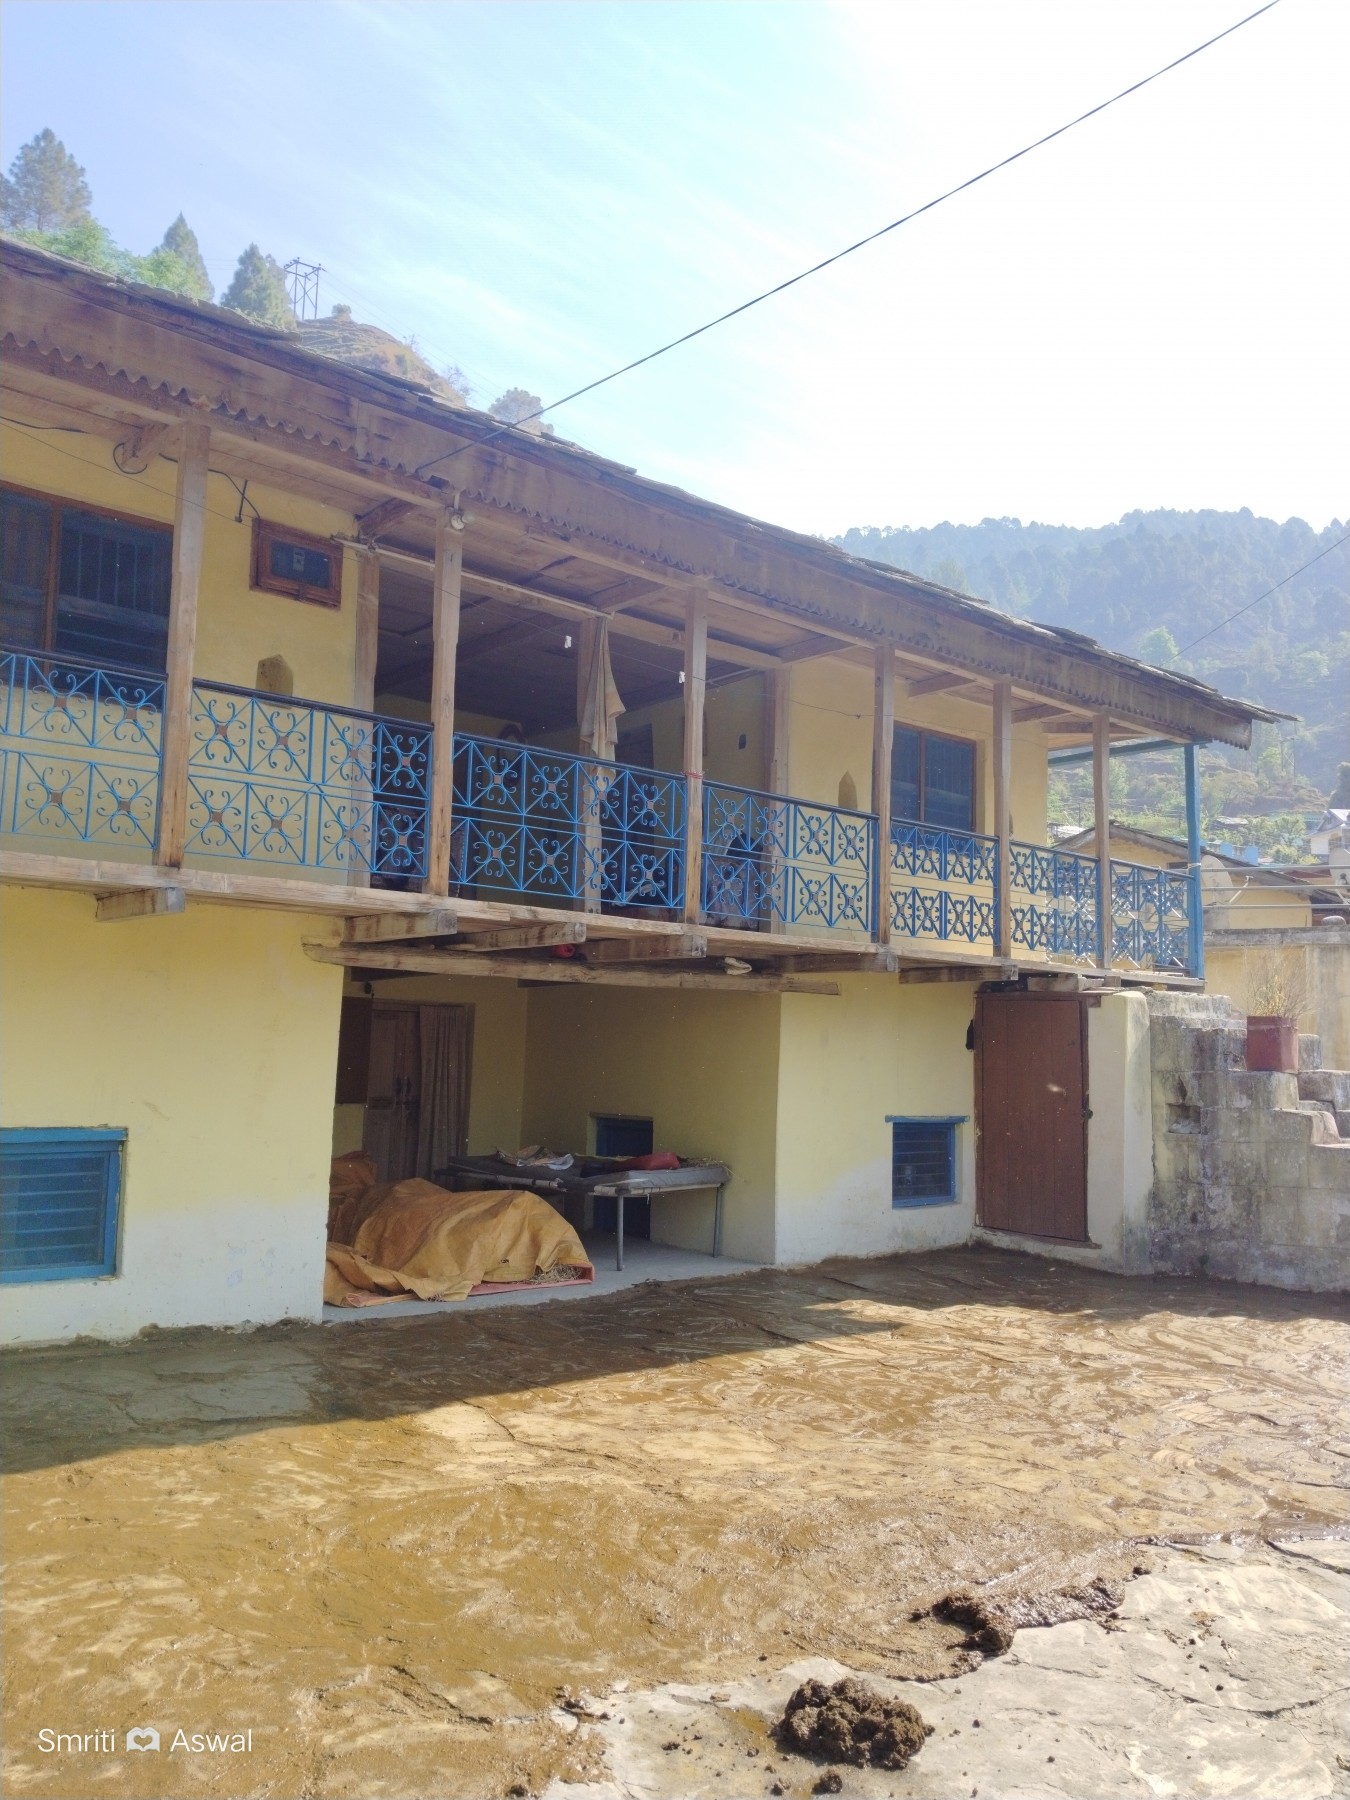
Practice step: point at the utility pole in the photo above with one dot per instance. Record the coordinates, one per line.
(302, 284)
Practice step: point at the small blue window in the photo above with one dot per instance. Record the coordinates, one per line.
(59, 1197)
(923, 1161)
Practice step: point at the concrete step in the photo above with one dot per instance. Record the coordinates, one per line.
(1329, 1091)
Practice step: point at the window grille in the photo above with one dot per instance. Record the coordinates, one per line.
(923, 1161)
(933, 779)
(87, 583)
(60, 1192)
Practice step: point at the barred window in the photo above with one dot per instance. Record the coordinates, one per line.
(82, 582)
(60, 1193)
(923, 1161)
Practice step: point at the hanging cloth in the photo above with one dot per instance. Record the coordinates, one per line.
(442, 1115)
(602, 706)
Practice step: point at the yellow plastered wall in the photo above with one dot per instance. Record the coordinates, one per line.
(1315, 964)
(830, 736)
(237, 626)
(1255, 906)
(732, 710)
(845, 1066)
(702, 1066)
(497, 1075)
(212, 1039)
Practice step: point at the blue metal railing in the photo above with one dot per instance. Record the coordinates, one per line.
(768, 858)
(1151, 924)
(281, 781)
(1053, 896)
(276, 780)
(552, 826)
(79, 750)
(944, 884)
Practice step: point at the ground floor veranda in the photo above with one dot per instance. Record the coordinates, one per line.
(211, 1040)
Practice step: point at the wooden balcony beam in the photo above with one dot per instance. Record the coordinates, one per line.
(542, 972)
(524, 937)
(396, 928)
(684, 946)
(144, 903)
(942, 683)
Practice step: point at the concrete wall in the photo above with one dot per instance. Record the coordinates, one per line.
(212, 1039)
(1120, 1131)
(1316, 962)
(845, 1065)
(702, 1066)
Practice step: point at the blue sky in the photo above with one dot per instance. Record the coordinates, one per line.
(1148, 313)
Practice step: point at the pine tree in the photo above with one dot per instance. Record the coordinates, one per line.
(46, 189)
(258, 290)
(180, 243)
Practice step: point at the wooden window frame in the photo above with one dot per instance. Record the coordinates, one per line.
(59, 504)
(266, 532)
(947, 737)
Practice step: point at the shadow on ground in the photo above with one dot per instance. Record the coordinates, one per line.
(72, 1402)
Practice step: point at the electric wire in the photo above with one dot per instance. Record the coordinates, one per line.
(850, 249)
(1282, 582)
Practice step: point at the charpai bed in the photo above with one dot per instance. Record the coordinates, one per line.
(593, 1178)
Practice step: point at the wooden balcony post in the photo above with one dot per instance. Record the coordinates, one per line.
(883, 736)
(445, 646)
(367, 629)
(189, 538)
(779, 706)
(363, 689)
(695, 688)
(590, 824)
(1003, 815)
(1195, 898)
(1101, 803)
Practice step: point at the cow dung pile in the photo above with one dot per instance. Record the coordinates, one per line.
(852, 1723)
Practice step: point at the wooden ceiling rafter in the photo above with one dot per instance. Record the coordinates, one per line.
(337, 430)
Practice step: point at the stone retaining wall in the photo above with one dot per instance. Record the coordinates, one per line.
(1251, 1172)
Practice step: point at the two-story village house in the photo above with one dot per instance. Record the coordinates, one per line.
(375, 774)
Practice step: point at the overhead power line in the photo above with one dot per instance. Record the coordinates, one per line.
(1282, 582)
(862, 243)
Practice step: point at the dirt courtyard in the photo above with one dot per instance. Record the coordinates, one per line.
(387, 1548)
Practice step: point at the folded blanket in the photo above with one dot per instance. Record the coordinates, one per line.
(413, 1238)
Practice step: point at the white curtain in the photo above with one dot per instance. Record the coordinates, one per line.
(601, 705)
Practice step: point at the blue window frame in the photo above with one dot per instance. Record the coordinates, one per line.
(923, 1161)
(60, 1193)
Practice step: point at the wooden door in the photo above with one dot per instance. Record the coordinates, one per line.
(390, 1133)
(1031, 1112)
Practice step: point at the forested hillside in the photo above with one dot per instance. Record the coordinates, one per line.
(1156, 582)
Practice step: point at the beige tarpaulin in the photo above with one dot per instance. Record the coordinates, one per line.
(601, 705)
(413, 1238)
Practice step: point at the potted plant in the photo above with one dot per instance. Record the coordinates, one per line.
(1273, 1010)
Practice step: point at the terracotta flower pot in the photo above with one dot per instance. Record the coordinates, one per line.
(1272, 1044)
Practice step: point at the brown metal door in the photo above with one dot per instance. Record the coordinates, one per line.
(1031, 1115)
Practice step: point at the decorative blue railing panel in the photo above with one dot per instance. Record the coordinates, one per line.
(768, 858)
(79, 750)
(1150, 920)
(944, 884)
(276, 780)
(548, 825)
(1054, 903)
